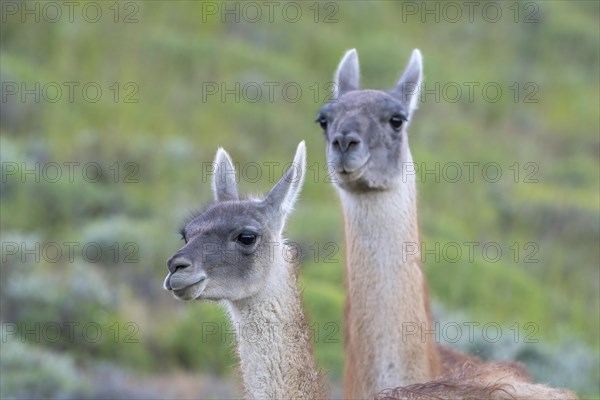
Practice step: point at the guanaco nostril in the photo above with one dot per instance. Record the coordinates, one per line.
(175, 264)
(182, 266)
(345, 142)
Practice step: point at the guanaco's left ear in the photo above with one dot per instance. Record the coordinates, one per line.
(409, 86)
(284, 194)
(223, 184)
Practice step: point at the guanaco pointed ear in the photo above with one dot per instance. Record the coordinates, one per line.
(408, 87)
(223, 184)
(347, 75)
(284, 194)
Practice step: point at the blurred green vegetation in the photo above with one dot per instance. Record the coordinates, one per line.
(159, 146)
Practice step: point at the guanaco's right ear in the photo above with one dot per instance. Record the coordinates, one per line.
(223, 184)
(284, 194)
(347, 75)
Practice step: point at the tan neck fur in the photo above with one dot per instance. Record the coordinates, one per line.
(386, 301)
(274, 346)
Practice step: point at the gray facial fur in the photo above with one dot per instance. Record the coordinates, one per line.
(366, 129)
(230, 248)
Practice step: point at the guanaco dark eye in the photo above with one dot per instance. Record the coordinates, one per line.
(322, 121)
(246, 238)
(182, 234)
(396, 121)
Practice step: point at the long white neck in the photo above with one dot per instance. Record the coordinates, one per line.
(274, 345)
(386, 309)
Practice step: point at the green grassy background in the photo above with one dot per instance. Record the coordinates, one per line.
(170, 55)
